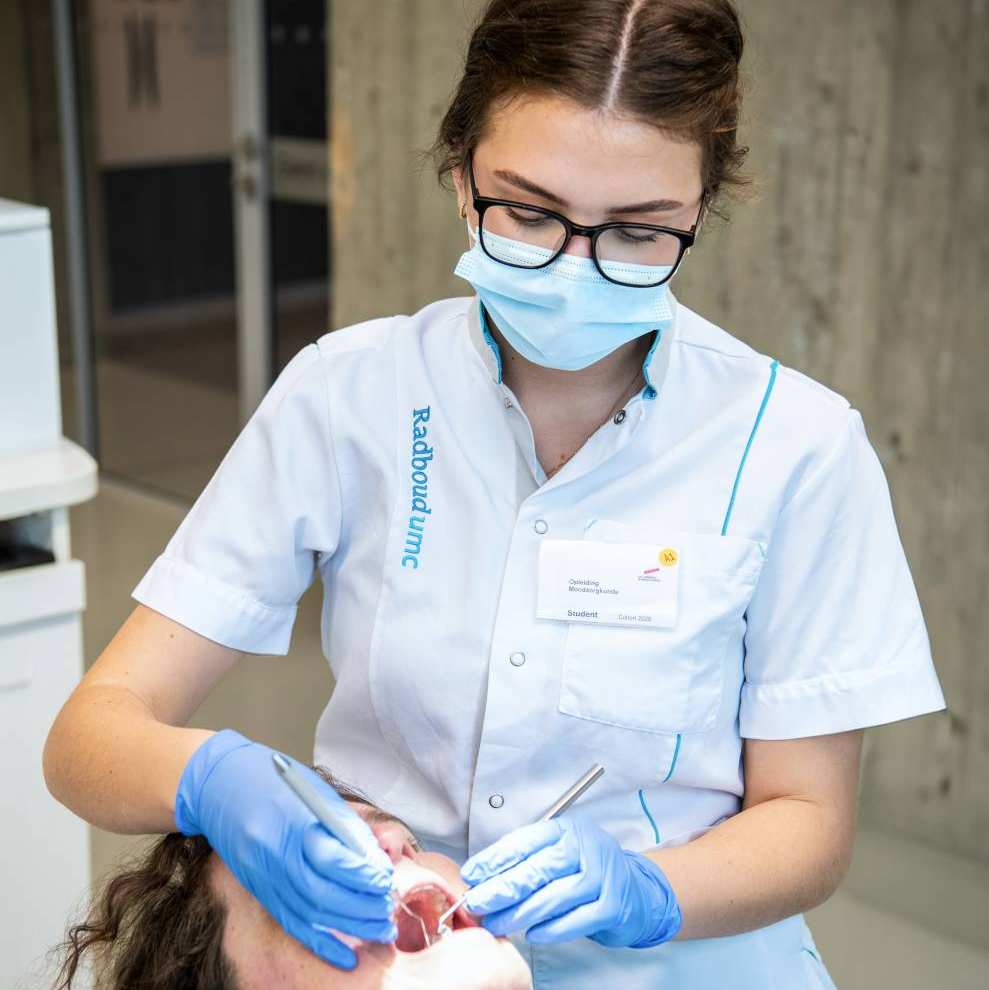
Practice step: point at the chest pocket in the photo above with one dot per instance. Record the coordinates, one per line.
(664, 680)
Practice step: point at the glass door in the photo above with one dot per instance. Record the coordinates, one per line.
(202, 132)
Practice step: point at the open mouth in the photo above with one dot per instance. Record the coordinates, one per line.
(418, 912)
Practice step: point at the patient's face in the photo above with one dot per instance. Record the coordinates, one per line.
(265, 956)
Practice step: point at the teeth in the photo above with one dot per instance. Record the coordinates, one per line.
(412, 879)
(421, 890)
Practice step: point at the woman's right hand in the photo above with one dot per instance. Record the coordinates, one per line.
(230, 793)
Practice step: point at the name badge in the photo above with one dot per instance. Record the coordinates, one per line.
(617, 584)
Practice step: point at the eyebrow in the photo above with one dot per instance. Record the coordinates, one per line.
(521, 182)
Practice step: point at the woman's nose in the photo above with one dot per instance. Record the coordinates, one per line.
(579, 246)
(391, 838)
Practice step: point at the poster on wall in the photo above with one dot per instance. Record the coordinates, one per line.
(161, 70)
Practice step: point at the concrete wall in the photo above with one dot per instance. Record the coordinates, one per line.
(395, 235)
(863, 263)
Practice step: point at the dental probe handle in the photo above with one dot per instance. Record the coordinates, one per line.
(333, 819)
(567, 799)
(557, 808)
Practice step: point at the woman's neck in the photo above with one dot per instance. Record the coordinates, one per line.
(564, 408)
(598, 386)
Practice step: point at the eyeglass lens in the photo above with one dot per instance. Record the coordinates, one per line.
(619, 249)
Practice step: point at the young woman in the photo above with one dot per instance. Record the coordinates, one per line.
(563, 521)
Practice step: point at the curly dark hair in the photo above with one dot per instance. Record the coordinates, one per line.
(158, 924)
(670, 63)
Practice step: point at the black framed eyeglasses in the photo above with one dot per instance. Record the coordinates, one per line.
(624, 253)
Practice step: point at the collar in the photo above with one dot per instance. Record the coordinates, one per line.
(653, 367)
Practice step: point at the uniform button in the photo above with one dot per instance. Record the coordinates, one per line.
(508, 403)
(619, 417)
(496, 800)
(517, 659)
(540, 526)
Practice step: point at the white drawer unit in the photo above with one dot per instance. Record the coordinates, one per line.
(30, 412)
(44, 863)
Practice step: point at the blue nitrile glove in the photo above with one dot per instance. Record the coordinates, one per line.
(230, 792)
(566, 878)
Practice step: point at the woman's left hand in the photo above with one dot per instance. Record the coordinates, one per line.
(566, 878)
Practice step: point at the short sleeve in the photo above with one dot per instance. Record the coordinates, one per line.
(248, 548)
(835, 639)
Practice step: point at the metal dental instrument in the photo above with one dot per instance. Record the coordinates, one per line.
(557, 808)
(575, 792)
(418, 917)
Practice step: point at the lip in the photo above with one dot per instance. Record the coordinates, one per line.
(422, 899)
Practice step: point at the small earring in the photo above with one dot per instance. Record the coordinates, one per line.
(463, 210)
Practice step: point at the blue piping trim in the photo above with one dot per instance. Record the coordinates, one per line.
(676, 753)
(650, 392)
(491, 342)
(745, 453)
(642, 801)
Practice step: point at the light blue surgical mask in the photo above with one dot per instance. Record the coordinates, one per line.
(566, 315)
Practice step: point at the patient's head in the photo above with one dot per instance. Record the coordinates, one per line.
(178, 918)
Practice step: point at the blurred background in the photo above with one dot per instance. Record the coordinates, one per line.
(229, 179)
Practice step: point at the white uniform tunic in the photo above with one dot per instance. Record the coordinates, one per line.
(390, 457)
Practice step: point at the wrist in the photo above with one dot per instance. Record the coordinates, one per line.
(662, 918)
(200, 765)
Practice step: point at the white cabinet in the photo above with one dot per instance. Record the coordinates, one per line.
(44, 849)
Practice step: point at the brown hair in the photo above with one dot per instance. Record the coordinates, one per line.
(670, 63)
(158, 924)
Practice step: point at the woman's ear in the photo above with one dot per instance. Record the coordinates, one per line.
(458, 180)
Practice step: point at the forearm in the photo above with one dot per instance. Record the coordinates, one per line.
(113, 763)
(768, 862)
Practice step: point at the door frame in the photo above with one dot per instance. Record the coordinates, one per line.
(251, 191)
